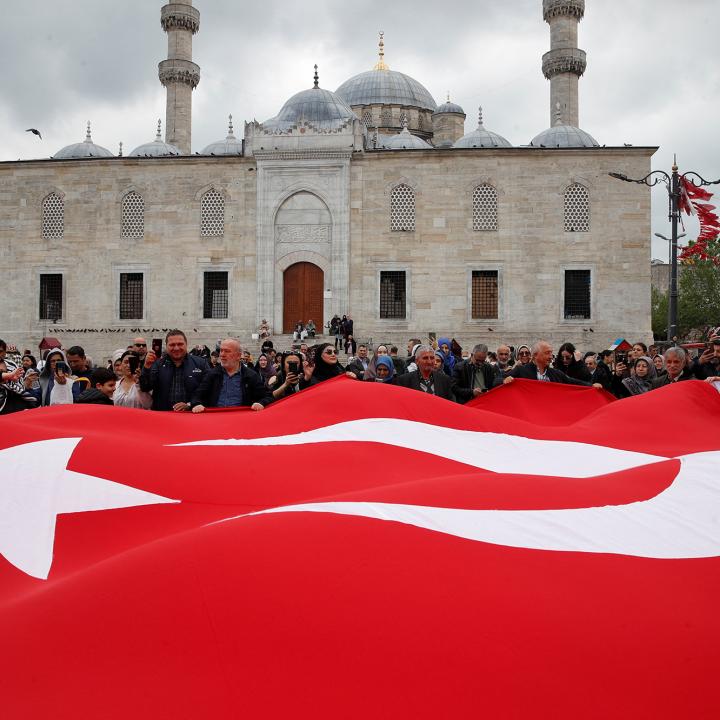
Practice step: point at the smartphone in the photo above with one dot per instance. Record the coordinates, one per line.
(157, 346)
(293, 367)
(62, 367)
(133, 362)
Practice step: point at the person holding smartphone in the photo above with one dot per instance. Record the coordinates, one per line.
(291, 378)
(57, 383)
(127, 391)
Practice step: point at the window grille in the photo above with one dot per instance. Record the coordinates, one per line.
(421, 122)
(484, 208)
(131, 296)
(367, 118)
(392, 294)
(53, 216)
(402, 209)
(133, 215)
(484, 294)
(215, 295)
(51, 301)
(386, 118)
(212, 214)
(577, 209)
(577, 295)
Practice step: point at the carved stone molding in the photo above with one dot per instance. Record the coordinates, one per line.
(179, 71)
(560, 8)
(302, 154)
(564, 60)
(180, 16)
(302, 233)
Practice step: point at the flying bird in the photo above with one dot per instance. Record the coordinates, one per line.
(34, 131)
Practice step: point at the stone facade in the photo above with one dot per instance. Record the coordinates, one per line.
(331, 208)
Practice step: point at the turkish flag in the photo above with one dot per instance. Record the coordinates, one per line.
(362, 550)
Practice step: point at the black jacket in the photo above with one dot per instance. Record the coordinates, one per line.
(464, 377)
(442, 383)
(92, 396)
(253, 388)
(158, 379)
(529, 372)
(659, 382)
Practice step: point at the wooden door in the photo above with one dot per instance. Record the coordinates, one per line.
(303, 296)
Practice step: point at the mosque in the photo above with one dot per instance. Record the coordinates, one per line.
(371, 200)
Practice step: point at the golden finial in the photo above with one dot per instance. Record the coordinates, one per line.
(380, 65)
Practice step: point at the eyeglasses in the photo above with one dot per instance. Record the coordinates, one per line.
(523, 352)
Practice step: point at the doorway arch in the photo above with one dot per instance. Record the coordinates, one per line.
(303, 284)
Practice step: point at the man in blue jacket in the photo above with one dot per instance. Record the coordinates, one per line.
(173, 378)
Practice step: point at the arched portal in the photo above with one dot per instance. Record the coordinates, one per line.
(303, 285)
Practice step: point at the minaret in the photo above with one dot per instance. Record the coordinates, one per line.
(565, 62)
(179, 74)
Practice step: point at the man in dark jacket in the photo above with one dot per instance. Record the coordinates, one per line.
(231, 384)
(539, 368)
(676, 366)
(174, 377)
(425, 378)
(475, 375)
(707, 364)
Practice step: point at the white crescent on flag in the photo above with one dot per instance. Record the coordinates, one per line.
(681, 522)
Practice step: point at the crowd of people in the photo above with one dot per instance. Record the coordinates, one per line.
(181, 379)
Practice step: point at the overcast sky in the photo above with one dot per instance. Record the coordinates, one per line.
(653, 75)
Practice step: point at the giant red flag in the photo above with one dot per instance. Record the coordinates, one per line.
(360, 550)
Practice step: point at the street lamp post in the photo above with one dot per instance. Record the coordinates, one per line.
(672, 307)
(672, 183)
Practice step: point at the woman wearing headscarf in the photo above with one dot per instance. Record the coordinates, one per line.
(524, 355)
(265, 368)
(384, 371)
(380, 351)
(439, 360)
(327, 365)
(444, 345)
(641, 380)
(659, 363)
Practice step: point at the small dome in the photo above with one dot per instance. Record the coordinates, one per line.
(405, 140)
(482, 138)
(563, 136)
(229, 146)
(317, 107)
(157, 148)
(449, 107)
(86, 149)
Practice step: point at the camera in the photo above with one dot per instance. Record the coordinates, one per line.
(133, 362)
(62, 367)
(293, 367)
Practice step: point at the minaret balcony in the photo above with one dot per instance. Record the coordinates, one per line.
(563, 8)
(563, 60)
(179, 71)
(180, 16)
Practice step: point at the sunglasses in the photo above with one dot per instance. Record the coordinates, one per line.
(329, 352)
(140, 344)
(523, 352)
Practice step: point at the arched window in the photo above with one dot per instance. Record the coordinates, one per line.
(402, 209)
(577, 209)
(484, 208)
(53, 216)
(133, 215)
(212, 214)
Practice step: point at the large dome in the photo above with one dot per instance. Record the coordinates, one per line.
(317, 107)
(385, 87)
(85, 149)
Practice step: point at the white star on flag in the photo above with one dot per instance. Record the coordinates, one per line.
(36, 487)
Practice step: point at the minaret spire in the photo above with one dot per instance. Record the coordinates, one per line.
(565, 63)
(380, 64)
(179, 74)
(316, 78)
